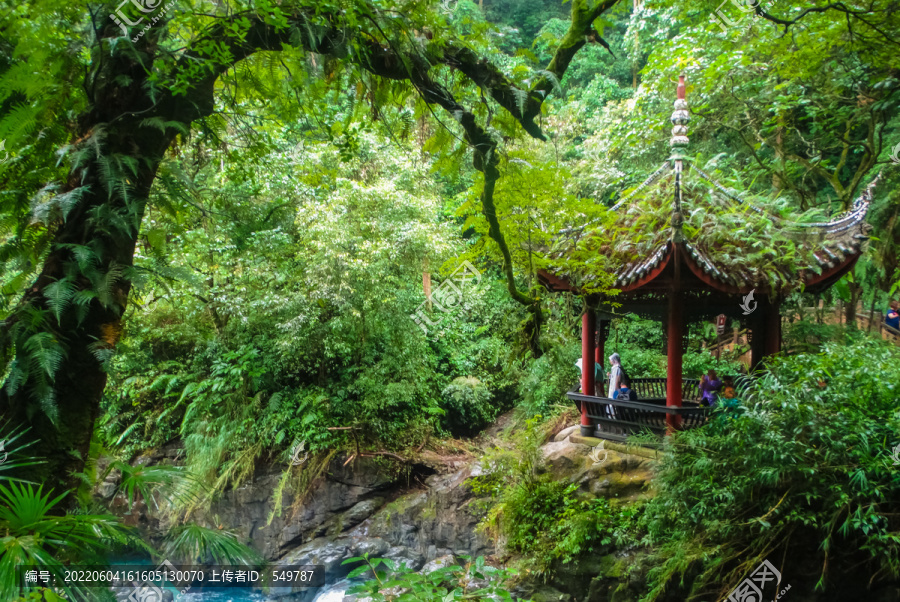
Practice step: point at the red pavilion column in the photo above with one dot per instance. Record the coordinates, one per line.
(673, 360)
(588, 332)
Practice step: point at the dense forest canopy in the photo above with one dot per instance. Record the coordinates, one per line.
(114, 150)
(220, 219)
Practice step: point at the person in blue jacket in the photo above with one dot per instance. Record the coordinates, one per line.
(892, 318)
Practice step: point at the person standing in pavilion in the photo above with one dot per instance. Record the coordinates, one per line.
(616, 375)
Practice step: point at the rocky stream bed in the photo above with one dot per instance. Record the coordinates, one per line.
(422, 516)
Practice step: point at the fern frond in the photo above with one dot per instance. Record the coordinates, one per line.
(44, 353)
(521, 98)
(554, 81)
(59, 294)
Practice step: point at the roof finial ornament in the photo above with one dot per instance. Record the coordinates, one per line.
(680, 119)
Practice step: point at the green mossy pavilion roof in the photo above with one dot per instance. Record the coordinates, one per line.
(727, 244)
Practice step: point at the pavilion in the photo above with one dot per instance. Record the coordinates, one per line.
(678, 279)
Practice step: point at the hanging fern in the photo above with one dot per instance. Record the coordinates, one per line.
(59, 294)
(554, 81)
(44, 352)
(521, 97)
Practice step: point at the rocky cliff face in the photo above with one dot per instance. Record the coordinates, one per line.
(341, 499)
(353, 509)
(417, 527)
(363, 507)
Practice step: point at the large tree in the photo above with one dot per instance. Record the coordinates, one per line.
(142, 87)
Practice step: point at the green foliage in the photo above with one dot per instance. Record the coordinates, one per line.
(804, 461)
(548, 378)
(42, 595)
(280, 252)
(696, 364)
(544, 521)
(283, 308)
(639, 342)
(476, 580)
(547, 523)
(37, 536)
(468, 405)
(148, 483)
(194, 544)
(14, 454)
(808, 336)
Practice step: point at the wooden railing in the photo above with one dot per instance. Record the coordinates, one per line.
(733, 339)
(867, 320)
(891, 334)
(654, 388)
(617, 420)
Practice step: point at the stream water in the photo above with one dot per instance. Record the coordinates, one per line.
(332, 593)
(329, 593)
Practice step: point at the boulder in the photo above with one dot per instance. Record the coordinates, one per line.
(403, 555)
(320, 551)
(344, 498)
(612, 474)
(542, 593)
(439, 521)
(562, 458)
(375, 547)
(564, 434)
(438, 563)
(360, 512)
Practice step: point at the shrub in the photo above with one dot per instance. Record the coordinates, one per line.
(545, 521)
(548, 379)
(476, 582)
(467, 403)
(695, 364)
(37, 536)
(808, 336)
(803, 462)
(642, 363)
